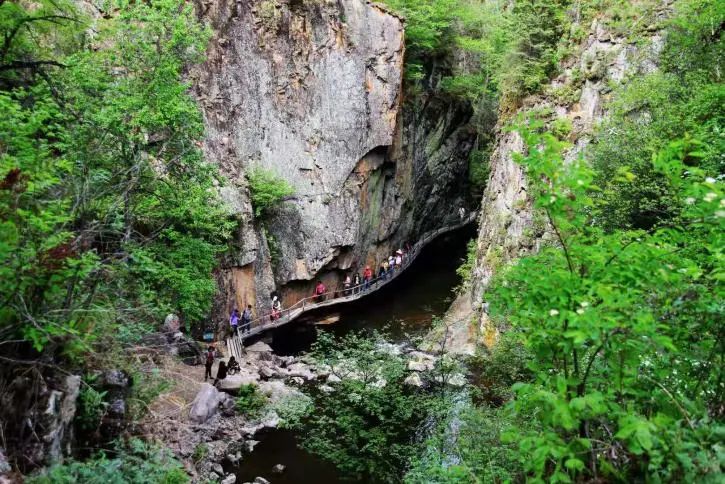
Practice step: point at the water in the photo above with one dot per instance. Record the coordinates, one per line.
(405, 307)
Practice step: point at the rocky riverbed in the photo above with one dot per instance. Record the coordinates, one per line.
(200, 422)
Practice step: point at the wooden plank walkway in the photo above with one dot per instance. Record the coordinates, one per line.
(235, 344)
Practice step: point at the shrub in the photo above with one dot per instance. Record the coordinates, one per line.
(267, 190)
(250, 401)
(135, 462)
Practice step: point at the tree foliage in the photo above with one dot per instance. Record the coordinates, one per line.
(366, 425)
(109, 213)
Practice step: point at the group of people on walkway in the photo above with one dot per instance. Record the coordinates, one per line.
(386, 270)
(244, 320)
(352, 284)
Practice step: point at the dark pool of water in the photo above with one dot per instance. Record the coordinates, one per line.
(404, 308)
(280, 447)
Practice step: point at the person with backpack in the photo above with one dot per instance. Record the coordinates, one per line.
(221, 372)
(234, 321)
(209, 362)
(276, 308)
(346, 284)
(320, 290)
(247, 319)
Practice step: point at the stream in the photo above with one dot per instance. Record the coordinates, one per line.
(404, 308)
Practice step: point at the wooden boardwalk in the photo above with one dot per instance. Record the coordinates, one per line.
(235, 344)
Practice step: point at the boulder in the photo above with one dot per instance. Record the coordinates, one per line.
(206, 403)
(301, 370)
(260, 480)
(188, 350)
(4, 464)
(229, 479)
(267, 372)
(332, 378)
(276, 390)
(278, 469)
(414, 380)
(259, 347)
(232, 383)
(216, 467)
(118, 379)
(417, 366)
(172, 323)
(249, 445)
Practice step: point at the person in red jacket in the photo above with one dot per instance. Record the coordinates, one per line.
(367, 277)
(320, 290)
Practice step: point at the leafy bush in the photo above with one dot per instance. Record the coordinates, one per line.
(621, 327)
(479, 169)
(469, 450)
(465, 270)
(267, 190)
(366, 425)
(136, 462)
(91, 408)
(250, 401)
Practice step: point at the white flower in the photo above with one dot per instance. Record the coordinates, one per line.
(584, 304)
(580, 311)
(710, 197)
(552, 199)
(689, 200)
(710, 179)
(553, 312)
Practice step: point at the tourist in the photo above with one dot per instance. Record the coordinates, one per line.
(356, 283)
(247, 319)
(367, 276)
(234, 321)
(391, 265)
(399, 259)
(221, 372)
(346, 285)
(320, 290)
(383, 270)
(209, 362)
(276, 308)
(233, 366)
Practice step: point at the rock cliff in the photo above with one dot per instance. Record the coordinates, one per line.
(508, 225)
(312, 91)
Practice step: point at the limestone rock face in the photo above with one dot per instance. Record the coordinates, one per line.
(508, 227)
(311, 91)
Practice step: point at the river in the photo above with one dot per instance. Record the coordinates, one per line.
(404, 308)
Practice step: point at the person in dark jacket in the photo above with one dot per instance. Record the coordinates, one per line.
(221, 373)
(233, 366)
(209, 362)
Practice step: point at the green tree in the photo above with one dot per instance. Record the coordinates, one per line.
(366, 425)
(624, 327)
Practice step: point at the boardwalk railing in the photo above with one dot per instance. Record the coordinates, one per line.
(335, 297)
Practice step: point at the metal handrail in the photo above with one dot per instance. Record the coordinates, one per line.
(351, 294)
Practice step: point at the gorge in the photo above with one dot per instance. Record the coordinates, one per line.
(548, 175)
